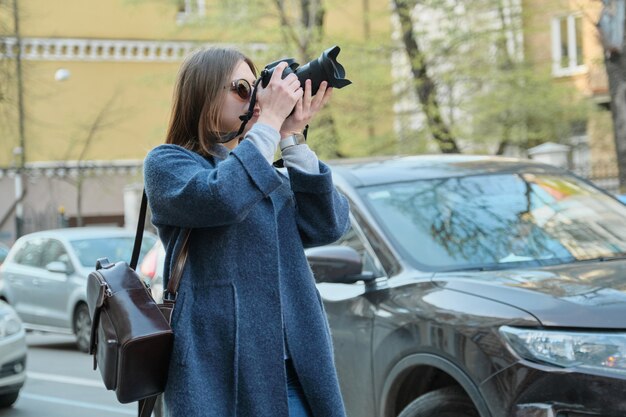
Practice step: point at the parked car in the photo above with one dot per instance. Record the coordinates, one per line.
(476, 286)
(12, 355)
(473, 286)
(44, 276)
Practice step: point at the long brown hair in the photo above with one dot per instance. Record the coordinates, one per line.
(198, 95)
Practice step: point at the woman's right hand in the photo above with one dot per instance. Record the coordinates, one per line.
(278, 98)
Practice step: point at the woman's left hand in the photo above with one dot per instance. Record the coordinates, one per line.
(306, 108)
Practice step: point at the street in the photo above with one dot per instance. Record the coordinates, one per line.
(61, 383)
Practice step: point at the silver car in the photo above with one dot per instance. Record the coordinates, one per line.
(44, 276)
(12, 355)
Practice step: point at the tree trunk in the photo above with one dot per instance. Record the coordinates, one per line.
(425, 87)
(616, 71)
(79, 200)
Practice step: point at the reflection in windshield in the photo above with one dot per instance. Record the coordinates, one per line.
(499, 220)
(115, 249)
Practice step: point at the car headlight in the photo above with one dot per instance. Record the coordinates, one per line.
(601, 351)
(9, 324)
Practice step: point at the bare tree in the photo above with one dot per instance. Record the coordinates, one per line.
(425, 86)
(104, 119)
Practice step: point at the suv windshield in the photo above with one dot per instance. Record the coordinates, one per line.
(499, 220)
(113, 248)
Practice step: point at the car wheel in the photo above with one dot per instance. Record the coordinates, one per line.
(444, 402)
(82, 327)
(7, 400)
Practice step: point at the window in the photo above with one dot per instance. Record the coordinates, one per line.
(352, 239)
(567, 45)
(54, 251)
(498, 221)
(188, 9)
(30, 253)
(113, 248)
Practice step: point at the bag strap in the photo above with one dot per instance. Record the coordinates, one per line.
(146, 406)
(177, 272)
(139, 234)
(169, 296)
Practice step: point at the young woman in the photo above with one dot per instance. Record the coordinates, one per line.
(251, 335)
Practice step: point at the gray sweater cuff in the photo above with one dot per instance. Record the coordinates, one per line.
(302, 158)
(265, 138)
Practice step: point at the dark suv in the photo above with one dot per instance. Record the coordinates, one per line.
(473, 286)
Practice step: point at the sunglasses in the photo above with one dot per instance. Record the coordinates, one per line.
(242, 88)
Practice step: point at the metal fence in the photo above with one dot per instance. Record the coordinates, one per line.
(605, 177)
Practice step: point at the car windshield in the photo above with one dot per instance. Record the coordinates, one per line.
(499, 221)
(114, 248)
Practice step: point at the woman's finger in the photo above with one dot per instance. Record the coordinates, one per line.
(327, 95)
(319, 95)
(298, 110)
(307, 94)
(277, 75)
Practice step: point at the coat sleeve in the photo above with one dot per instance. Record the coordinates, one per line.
(185, 191)
(322, 213)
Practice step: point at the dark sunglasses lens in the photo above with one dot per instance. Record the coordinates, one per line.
(243, 89)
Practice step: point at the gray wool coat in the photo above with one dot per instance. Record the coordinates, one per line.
(247, 289)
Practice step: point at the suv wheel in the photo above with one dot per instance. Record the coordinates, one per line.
(7, 400)
(82, 327)
(444, 402)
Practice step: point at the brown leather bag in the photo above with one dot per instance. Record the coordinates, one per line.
(131, 337)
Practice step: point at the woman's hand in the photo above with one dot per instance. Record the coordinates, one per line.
(279, 97)
(306, 108)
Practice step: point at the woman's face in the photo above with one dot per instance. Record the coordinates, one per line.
(234, 106)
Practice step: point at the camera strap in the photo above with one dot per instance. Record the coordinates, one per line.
(245, 118)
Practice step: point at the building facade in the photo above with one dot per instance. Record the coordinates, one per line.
(562, 36)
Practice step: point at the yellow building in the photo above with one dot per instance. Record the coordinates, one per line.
(561, 36)
(97, 82)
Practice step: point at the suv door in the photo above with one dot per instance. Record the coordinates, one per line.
(350, 313)
(53, 289)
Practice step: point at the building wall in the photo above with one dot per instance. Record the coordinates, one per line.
(591, 79)
(123, 56)
(50, 196)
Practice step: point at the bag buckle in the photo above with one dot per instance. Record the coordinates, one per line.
(168, 296)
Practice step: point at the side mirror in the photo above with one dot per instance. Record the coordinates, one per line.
(58, 267)
(337, 264)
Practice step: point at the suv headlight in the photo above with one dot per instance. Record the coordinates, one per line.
(10, 324)
(601, 351)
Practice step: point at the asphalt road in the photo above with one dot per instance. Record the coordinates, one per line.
(61, 383)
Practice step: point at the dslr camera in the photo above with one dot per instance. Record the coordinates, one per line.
(325, 68)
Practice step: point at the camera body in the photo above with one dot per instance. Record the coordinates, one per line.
(324, 68)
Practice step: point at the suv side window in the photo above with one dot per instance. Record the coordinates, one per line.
(30, 253)
(353, 239)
